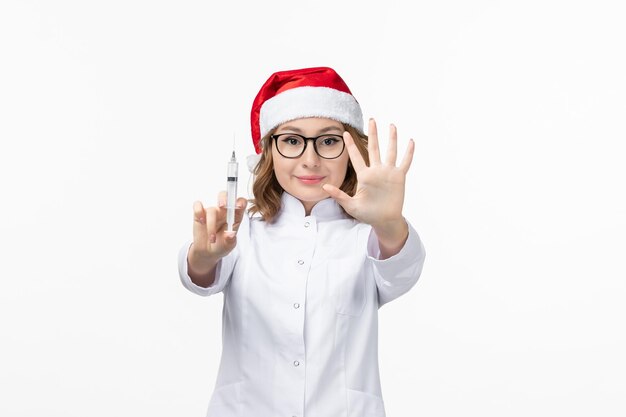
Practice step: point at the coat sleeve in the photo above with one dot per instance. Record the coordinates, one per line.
(223, 272)
(224, 268)
(398, 274)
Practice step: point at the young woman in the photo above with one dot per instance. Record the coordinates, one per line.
(323, 246)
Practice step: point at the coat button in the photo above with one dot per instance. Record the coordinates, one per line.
(296, 363)
(307, 224)
(296, 305)
(301, 262)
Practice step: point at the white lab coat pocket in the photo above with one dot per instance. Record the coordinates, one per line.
(346, 283)
(363, 404)
(226, 401)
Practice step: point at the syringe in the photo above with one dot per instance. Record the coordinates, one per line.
(231, 191)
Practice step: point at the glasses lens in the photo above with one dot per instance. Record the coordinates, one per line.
(329, 146)
(289, 145)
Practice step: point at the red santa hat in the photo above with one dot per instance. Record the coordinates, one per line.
(306, 92)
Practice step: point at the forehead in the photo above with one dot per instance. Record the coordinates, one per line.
(311, 125)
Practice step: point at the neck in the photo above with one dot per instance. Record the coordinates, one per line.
(308, 206)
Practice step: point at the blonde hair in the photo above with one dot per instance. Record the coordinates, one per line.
(266, 189)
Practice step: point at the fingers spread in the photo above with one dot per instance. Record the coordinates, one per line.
(355, 156)
(372, 143)
(408, 157)
(392, 148)
(336, 193)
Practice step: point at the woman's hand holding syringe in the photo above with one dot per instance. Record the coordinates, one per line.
(211, 240)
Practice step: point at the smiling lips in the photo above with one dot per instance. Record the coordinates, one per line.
(310, 179)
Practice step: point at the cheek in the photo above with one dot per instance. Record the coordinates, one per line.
(340, 171)
(282, 171)
(277, 165)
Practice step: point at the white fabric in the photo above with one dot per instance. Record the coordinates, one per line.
(304, 102)
(300, 314)
(252, 161)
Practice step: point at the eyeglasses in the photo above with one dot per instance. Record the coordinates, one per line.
(292, 145)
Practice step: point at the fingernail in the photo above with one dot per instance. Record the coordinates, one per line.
(213, 238)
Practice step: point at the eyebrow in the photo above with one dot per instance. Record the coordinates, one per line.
(324, 130)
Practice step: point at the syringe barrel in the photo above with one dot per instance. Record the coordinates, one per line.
(232, 170)
(231, 194)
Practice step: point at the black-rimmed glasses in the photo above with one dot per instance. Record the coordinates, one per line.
(292, 145)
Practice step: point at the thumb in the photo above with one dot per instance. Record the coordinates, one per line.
(230, 239)
(341, 197)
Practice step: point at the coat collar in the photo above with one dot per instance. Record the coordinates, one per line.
(327, 209)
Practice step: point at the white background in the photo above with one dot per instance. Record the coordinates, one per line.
(115, 116)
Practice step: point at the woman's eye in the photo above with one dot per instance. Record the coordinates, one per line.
(292, 140)
(329, 141)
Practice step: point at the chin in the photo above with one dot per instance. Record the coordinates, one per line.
(312, 198)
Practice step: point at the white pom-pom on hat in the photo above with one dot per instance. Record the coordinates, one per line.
(253, 160)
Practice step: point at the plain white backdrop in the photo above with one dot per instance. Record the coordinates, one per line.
(116, 116)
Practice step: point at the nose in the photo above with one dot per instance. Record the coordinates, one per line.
(310, 158)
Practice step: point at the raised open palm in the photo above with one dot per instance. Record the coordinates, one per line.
(379, 195)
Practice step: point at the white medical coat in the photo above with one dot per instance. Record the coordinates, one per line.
(300, 314)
